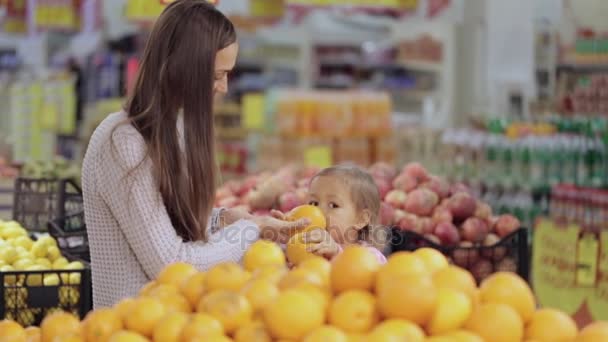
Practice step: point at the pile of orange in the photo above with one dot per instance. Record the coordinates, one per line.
(413, 297)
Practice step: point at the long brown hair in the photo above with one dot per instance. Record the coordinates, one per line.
(176, 76)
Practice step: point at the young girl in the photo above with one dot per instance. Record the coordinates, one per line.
(349, 198)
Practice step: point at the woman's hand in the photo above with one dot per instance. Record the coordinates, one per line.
(321, 243)
(277, 230)
(230, 216)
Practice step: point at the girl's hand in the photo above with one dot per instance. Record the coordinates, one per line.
(321, 243)
(277, 230)
(278, 215)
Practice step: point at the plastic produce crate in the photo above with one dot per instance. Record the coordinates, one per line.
(38, 201)
(509, 254)
(27, 300)
(71, 235)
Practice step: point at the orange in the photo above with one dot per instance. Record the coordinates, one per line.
(319, 265)
(252, 332)
(354, 269)
(433, 259)
(402, 263)
(596, 331)
(69, 337)
(326, 333)
(100, 324)
(411, 297)
(175, 274)
(259, 293)
(320, 296)
(226, 276)
(296, 249)
(396, 330)
(144, 315)
(169, 328)
(353, 311)
(58, 324)
(32, 334)
(148, 287)
(439, 339)
(453, 310)
(463, 336)
(293, 314)
(230, 308)
(124, 307)
(314, 214)
(357, 338)
(454, 277)
(193, 288)
(272, 273)
(127, 336)
(12, 332)
(170, 297)
(508, 288)
(200, 327)
(496, 322)
(217, 338)
(550, 325)
(263, 253)
(300, 276)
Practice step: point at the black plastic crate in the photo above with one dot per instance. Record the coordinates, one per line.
(27, 300)
(509, 254)
(71, 235)
(38, 201)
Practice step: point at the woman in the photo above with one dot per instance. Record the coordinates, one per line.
(149, 174)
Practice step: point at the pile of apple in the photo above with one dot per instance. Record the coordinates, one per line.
(6, 170)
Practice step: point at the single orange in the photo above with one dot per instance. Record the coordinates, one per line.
(326, 333)
(171, 298)
(433, 259)
(454, 277)
(411, 297)
(148, 287)
(169, 328)
(272, 273)
(319, 265)
(396, 330)
(596, 331)
(401, 263)
(58, 324)
(463, 336)
(127, 336)
(314, 214)
(144, 315)
(230, 308)
(259, 293)
(353, 311)
(551, 325)
(300, 276)
(508, 288)
(32, 334)
(296, 250)
(354, 269)
(293, 314)
(12, 331)
(263, 253)
(193, 288)
(453, 310)
(100, 324)
(175, 274)
(201, 326)
(252, 332)
(226, 276)
(496, 322)
(124, 307)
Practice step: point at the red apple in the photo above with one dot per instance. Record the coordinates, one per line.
(447, 234)
(438, 185)
(398, 215)
(383, 170)
(441, 215)
(288, 201)
(491, 251)
(507, 265)
(410, 223)
(506, 225)
(483, 211)
(387, 214)
(474, 230)
(384, 187)
(417, 171)
(426, 224)
(465, 255)
(396, 198)
(421, 202)
(405, 183)
(481, 269)
(460, 187)
(462, 206)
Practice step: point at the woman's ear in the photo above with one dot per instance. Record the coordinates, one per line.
(365, 217)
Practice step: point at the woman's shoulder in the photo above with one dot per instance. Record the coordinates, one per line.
(117, 134)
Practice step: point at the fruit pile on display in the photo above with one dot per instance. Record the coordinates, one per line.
(18, 252)
(414, 297)
(58, 168)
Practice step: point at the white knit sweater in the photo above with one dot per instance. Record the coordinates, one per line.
(130, 233)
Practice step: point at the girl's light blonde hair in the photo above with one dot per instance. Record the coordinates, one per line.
(365, 195)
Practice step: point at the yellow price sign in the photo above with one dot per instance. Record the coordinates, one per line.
(318, 156)
(254, 108)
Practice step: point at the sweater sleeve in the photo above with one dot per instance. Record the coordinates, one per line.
(127, 185)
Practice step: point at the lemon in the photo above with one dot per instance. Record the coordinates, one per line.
(13, 232)
(75, 265)
(60, 263)
(47, 240)
(53, 253)
(8, 254)
(51, 280)
(23, 264)
(44, 262)
(34, 279)
(23, 241)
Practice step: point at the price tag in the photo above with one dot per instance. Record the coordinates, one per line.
(318, 156)
(254, 108)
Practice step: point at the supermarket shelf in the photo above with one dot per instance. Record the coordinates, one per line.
(421, 65)
(589, 67)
